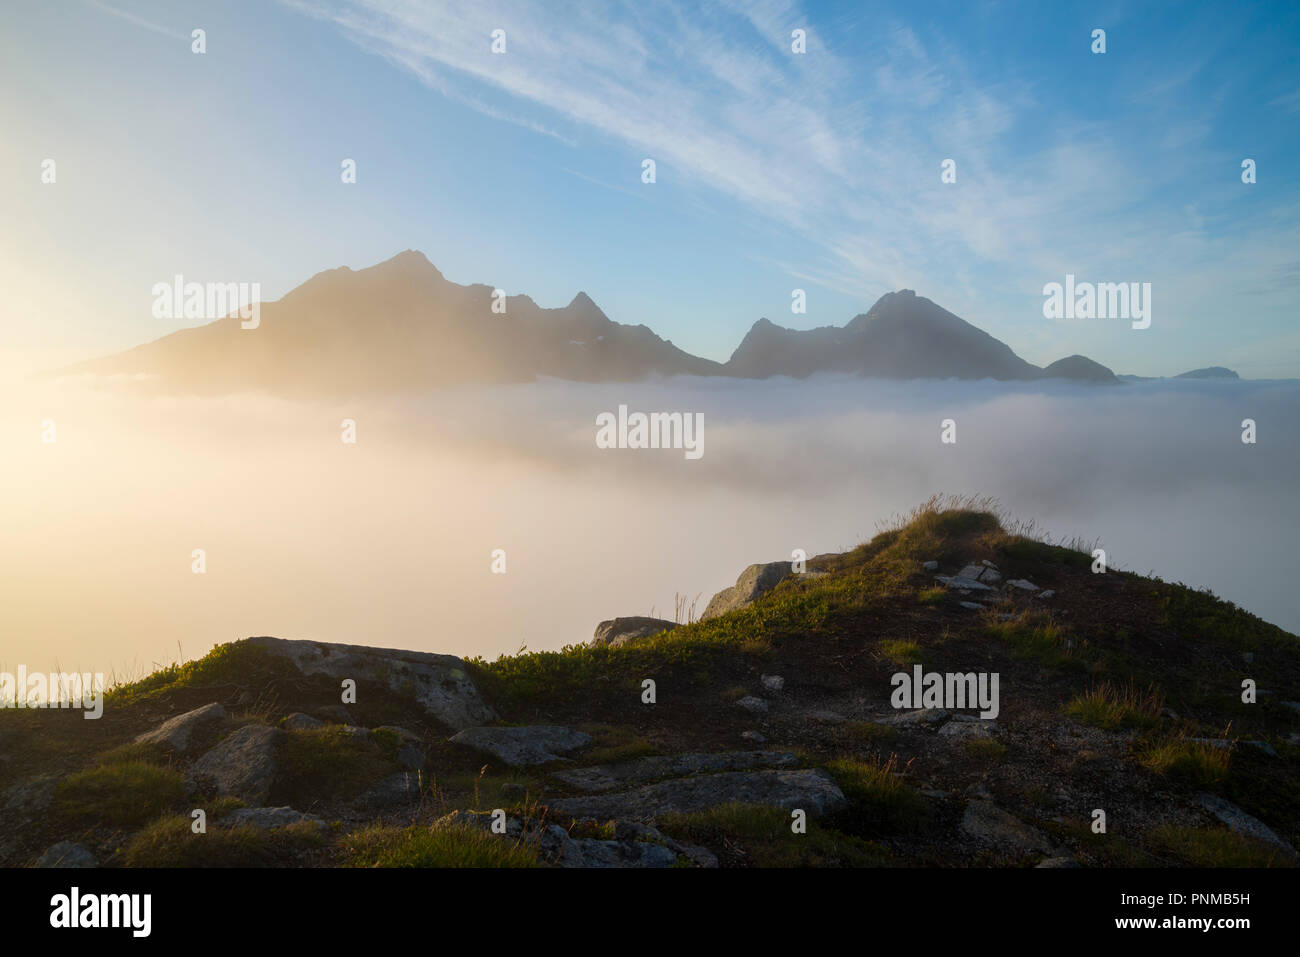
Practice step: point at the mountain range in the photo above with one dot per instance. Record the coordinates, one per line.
(401, 325)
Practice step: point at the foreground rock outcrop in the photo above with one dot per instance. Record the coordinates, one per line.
(523, 747)
(243, 765)
(812, 790)
(176, 732)
(619, 631)
(438, 682)
(754, 581)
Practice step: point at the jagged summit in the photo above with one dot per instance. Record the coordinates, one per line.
(902, 336)
(401, 325)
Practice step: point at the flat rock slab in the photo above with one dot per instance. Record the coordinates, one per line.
(619, 631)
(1238, 820)
(981, 573)
(754, 581)
(243, 765)
(967, 730)
(267, 818)
(176, 732)
(523, 747)
(400, 790)
(610, 777)
(989, 824)
(67, 854)
(633, 845)
(302, 722)
(438, 682)
(752, 704)
(920, 716)
(1023, 584)
(962, 582)
(813, 790)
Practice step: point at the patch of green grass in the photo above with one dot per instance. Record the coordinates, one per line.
(219, 807)
(171, 842)
(1110, 707)
(1026, 549)
(1203, 615)
(932, 596)
(1036, 637)
(903, 654)
(1113, 849)
(328, 762)
(480, 790)
(762, 837)
(229, 663)
(866, 734)
(1215, 847)
(986, 749)
(131, 752)
(1194, 762)
(417, 846)
(611, 744)
(880, 802)
(126, 792)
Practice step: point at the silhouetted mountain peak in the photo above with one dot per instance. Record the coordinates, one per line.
(408, 259)
(1080, 368)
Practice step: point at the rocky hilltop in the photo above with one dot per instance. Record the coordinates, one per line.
(1135, 722)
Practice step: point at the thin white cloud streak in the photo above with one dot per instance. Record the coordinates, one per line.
(137, 20)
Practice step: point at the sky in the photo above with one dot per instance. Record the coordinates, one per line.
(774, 170)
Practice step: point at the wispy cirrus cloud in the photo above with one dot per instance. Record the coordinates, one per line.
(136, 19)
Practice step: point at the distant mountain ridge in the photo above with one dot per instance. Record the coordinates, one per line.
(401, 325)
(903, 336)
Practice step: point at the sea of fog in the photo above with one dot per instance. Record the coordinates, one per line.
(389, 541)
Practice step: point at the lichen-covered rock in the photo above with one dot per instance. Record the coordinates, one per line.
(608, 777)
(267, 818)
(242, 765)
(176, 732)
(438, 682)
(67, 854)
(753, 582)
(523, 747)
(302, 722)
(989, 824)
(632, 844)
(1238, 820)
(812, 790)
(617, 632)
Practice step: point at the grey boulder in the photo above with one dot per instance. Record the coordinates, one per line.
(67, 854)
(438, 682)
(268, 818)
(754, 581)
(609, 777)
(619, 631)
(525, 746)
(242, 765)
(812, 790)
(176, 732)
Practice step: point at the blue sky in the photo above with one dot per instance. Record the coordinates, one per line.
(775, 171)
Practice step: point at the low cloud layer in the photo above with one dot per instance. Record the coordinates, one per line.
(389, 541)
